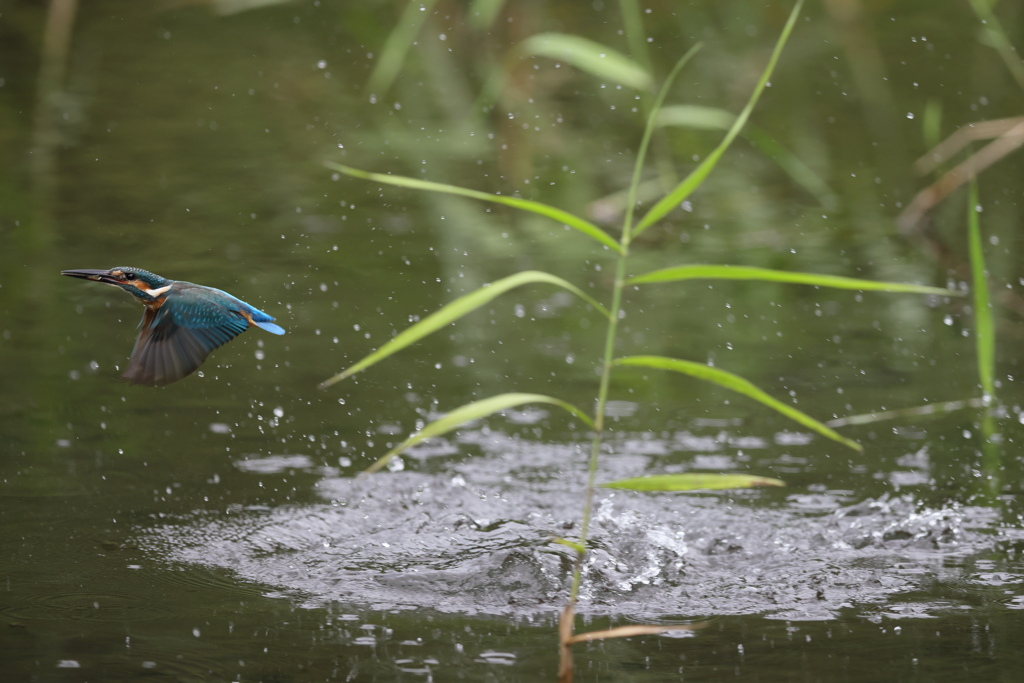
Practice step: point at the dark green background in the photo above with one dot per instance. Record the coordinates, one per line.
(190, 142)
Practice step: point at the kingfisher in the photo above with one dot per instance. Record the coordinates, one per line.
(182, 324)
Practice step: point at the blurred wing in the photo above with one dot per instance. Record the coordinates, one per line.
(167, 351)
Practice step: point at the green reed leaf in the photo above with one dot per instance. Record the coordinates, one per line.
(574, 545)
(483, 13)
(713, 118)
(735, 383)
(476, 411)
(683, 190)
(692, 482)
(456, 309)
(633, 30)
(586, 55)
(984, 327)
(554, 213)
(696, 116)
(645, 141)
(397, 46)
(724, 272)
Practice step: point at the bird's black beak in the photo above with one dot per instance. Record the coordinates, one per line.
(96, 275)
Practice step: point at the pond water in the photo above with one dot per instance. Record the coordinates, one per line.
(216, 529)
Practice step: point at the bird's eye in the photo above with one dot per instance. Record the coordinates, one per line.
(129, 276)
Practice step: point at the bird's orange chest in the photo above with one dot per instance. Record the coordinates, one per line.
(146, 295)
(154, 304)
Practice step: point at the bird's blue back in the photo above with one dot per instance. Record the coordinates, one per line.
(196, 306)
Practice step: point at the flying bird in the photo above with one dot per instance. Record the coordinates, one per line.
(181, 325)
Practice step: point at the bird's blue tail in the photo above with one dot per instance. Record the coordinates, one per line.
(269, 327)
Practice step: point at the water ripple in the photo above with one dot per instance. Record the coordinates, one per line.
(473, 539)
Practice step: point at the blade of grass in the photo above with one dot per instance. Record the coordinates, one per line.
(692, 482)
(471, 412)
(901, 413)
(735, 383)
(995, 36)
(713, 118)
(397, 46)
(931, 124)
(578, 547)
(984, 327)
(633, 28)
(457, 309)
(698, 175)
(589, 56)
(726, 272)
(483, 13)
(696, 117)
(645, 142)
(554, 213)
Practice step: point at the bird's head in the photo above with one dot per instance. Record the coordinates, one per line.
(136, 281)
